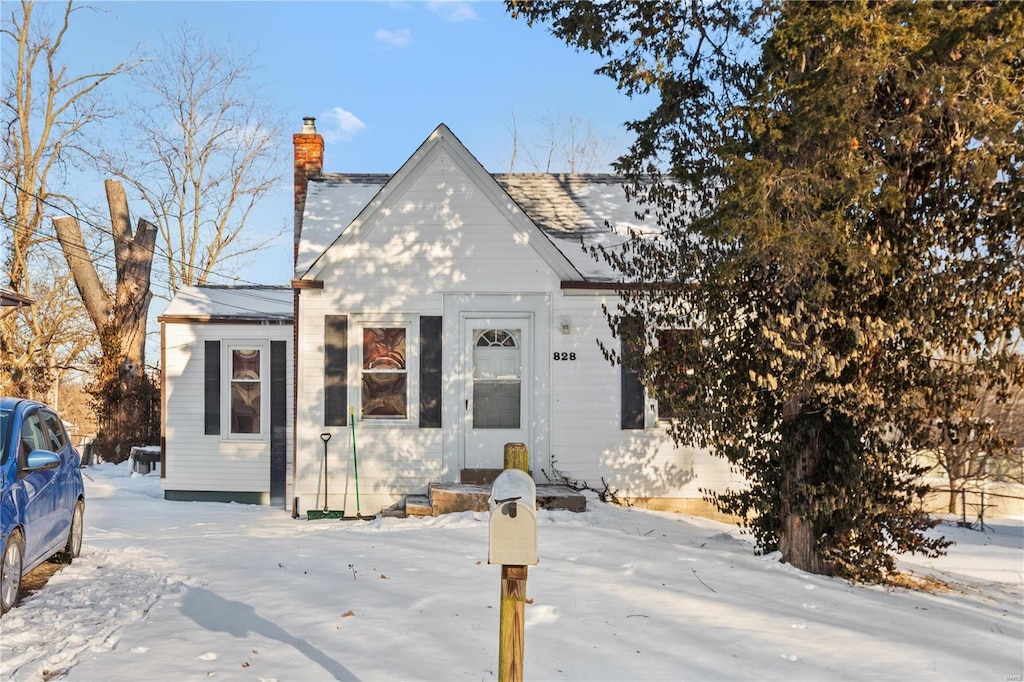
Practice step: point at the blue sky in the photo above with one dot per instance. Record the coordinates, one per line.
(379, 77)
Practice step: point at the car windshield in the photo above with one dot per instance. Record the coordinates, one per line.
(5, 424)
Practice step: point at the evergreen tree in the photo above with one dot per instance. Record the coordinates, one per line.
(839, 191)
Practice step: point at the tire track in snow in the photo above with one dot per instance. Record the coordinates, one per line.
(83, 607)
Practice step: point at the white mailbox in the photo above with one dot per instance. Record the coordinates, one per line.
(513, 522)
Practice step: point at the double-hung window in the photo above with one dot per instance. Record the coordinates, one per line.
(382, 368)
(385, 363)
(244, 388)
(246, 394)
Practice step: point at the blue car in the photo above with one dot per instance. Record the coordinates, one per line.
(42, 497)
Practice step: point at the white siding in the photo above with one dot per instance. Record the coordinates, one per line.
(438, 237)
(587, 443)
(198, 462)
(440, 234)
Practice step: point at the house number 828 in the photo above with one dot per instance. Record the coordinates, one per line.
(565, 356)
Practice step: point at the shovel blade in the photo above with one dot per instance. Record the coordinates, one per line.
(314, 514)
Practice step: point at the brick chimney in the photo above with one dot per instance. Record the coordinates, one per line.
(309, 162)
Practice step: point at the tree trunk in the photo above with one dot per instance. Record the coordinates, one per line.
(798, 542)
(133, 255)
(953, 495)
(120, 319)
(95, 297)
(798, 536)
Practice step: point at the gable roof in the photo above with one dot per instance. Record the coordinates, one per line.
(213, 303)
(565, 211)
(577, 211)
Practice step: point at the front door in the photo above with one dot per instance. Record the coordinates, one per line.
(497, 392)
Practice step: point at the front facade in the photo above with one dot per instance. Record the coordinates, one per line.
(444, 311)
(435, 315)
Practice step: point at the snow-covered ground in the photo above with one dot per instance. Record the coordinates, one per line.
(194, 591)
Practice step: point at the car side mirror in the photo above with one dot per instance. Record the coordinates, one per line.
(41, 459)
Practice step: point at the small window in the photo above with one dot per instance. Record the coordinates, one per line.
(672, 363)
(384, 374)
(246, 391)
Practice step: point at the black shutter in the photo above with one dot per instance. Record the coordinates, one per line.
(335, 370)
(430, 372)
(632, 388)
(211, 388)
(278, 421)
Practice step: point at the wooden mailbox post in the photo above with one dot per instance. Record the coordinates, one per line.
(513, 538)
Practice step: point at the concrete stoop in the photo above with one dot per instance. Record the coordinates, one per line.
(445, 498)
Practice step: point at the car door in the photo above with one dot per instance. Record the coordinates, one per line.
(65, 492)
(41, 492)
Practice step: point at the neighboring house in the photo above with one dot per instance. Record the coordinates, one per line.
(449, 311)
(13, 299)
(226, 408)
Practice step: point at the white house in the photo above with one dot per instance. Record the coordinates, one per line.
(226, 409)
(439, 313)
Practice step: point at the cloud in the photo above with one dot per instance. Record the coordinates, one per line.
(340, 125)
(397, 38)
(453, 11)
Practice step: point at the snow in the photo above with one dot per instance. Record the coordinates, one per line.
(243, 302)
(330, 206)
(197, 590)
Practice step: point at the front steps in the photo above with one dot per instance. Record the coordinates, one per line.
(445, 498)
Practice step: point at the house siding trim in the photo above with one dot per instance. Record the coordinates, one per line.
(225, 319)
(238, 497)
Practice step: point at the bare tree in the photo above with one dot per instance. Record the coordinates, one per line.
(513, 131)
(47, 110)
(49, 340)
(201, 152)
(982, 439)
(570, 145)
(567, 144)
(123, 392)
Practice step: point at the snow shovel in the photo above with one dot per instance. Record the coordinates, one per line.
(325, 513)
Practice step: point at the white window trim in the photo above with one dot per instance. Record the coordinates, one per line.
(227, 346)
(411, 322)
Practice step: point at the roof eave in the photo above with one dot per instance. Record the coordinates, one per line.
(227, 319)
(12, 298)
